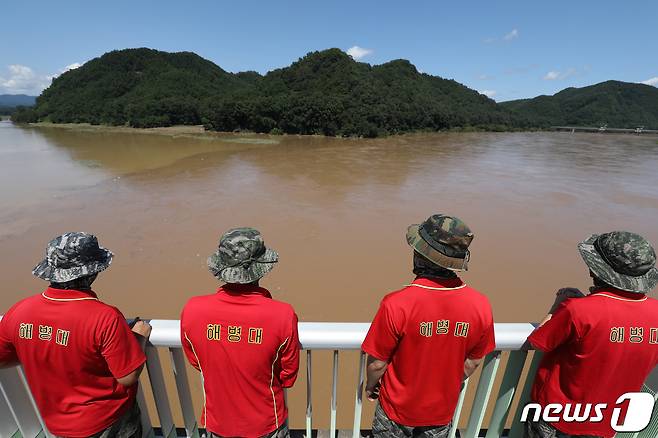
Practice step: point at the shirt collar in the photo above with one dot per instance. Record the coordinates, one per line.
(616, 293)
(53, 294)
(438, 283)
(243, 290)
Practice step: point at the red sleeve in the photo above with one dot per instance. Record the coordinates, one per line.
(290, 356)
(7, 350)
(558, 330)
(119, 347)
(383, 336)
(188, 348)
(487, 342)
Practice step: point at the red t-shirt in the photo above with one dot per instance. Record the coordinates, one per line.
(598, 348)
(72, 348)
(425, 332)
(247, 348)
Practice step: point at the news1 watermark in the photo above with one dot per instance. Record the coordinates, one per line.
(638, 412)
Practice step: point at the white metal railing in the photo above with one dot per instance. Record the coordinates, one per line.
(18, 412)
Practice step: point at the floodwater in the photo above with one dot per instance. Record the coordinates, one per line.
(336, 210)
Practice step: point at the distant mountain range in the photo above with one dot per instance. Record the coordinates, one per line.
(325, 92)
(9, 102)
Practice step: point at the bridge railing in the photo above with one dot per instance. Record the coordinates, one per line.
(498, 375)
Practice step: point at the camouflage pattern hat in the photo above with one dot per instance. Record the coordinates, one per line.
(71, 256)
(242, 257)
(442, 239)
(624, 260)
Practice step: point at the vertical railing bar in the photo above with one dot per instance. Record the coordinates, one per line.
(309, 400)
(8, 425)
(21, 404)
(517, 427)
(184, 394)
(358, 400)
(147, 427)
(508, 387)
(156, 378)
(334, 385)
(21, 373)
(482, 394)
(458, 410)
(11, 415)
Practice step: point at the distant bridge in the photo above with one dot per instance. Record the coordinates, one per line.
(605, 130)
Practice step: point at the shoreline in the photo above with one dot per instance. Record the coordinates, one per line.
(200, 132)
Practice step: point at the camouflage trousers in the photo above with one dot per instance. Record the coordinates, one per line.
(541, 429)
(128, 426)
(382, 426)
(281, 432)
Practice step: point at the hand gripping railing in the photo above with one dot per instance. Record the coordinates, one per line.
(18, 415)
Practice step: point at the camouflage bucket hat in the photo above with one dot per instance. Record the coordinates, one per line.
(242, 257)
(621, 259)
(71, 256)
(442, 239)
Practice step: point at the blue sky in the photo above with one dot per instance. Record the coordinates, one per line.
(506, 49)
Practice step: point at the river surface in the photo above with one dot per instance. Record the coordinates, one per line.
(336, 210)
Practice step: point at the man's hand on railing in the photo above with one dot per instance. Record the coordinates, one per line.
(142, 331)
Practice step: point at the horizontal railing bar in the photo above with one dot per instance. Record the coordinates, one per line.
(340, 335)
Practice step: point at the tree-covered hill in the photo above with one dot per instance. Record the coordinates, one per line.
(141, 87)
(617, 104)
(325, 92)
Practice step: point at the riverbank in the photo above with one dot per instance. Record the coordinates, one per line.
(198, 131)
(178, 131)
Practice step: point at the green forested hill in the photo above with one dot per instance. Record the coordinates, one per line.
(325, 92)
(617, 104)
(141, 87)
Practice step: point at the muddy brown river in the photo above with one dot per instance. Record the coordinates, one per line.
(336, 210)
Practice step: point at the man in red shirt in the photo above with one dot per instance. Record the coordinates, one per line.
(244, 343)
(600, 346)
(427, 337)
(80, 358)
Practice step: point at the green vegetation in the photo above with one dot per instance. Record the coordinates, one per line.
(325, 92)
(617, 104)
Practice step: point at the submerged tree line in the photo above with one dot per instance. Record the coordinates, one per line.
(325, 92)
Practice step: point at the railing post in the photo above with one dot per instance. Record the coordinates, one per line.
(147, 427)
(515, 362)
(8, 426)
(485, 384)
(184, 395)
(309, 395)
(458, 410)
(18, 397)
(517, 427)
(334, 385)
(358, 401)
(160, 392)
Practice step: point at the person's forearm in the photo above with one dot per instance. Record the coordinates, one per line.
(374, 375)
(374, 371)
